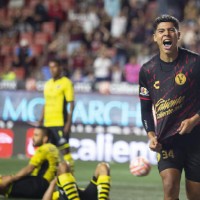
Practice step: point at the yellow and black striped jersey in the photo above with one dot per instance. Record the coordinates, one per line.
(45, 159)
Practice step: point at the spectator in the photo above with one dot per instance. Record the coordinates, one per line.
(95, 23)
(102, 66)
(78, 59)
(116, 74)
(137, 33)
(56, 13)
(176, 8)
(99, 37)
(77, 76)
(86, 17)
(121, 54)
(92, 20)
(8, 74)
(23, 20)
(119, 24)
(89, 78)
(75, 37)
(112, 8)
(40, 13)
(131, 70)
(3, 3)
(59, 43)
(23, 57)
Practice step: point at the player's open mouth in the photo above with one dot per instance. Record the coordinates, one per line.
(167, 44)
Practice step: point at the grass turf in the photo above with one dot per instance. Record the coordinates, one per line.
(124, 185)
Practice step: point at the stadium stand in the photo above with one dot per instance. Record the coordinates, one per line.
(60, 28)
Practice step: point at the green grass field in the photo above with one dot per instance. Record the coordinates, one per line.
(124, 185)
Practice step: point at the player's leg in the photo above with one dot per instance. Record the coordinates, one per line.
(171, 183)
(170, 165)
(66, 182)
(192, 165)
(62, 142)
(193, 190)
(27, 187)
(99, 186)
(102, 173)
(65, 150)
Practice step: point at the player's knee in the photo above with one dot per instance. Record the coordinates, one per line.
(63, 167)
(171, 183)
(193, 190)
(171, 188)
(103, 168)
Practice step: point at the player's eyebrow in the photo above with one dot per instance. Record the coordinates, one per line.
(162, 29)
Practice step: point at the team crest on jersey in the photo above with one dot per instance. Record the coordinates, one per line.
(158, 156)
(144, 91)
(180, 79)
(157, 85)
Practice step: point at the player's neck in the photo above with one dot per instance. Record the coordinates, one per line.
(169, 57)
(57, 77)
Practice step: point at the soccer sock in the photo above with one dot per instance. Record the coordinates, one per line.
(68, 183)
(103, 187)
(0, 180)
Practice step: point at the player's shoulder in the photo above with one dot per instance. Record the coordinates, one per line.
(151, 62)
(65, 80)
(49, 81)
(189, 53)
(48, 147)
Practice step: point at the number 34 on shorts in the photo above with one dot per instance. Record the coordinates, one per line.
(165, 154)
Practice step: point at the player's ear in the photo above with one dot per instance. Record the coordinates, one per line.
(154, 38)
(179, 35)
(45, 139)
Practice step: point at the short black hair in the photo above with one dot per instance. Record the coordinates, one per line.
(166, 18)
(46, 131)
(56, 60)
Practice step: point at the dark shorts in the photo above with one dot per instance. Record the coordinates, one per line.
(29, 187)
(57, 137)
(182, 152)
(90, 192)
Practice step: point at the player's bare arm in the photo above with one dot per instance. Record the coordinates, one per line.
(69, 119)
(8, 179)
(23, 172)
(188, 124)
(49, 192)
(40, 122)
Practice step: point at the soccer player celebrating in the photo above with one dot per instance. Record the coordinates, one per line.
(170, 84)
(98, 188)
(33, 180)
(58, 95)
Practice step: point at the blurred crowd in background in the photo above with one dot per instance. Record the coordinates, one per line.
(95, 40)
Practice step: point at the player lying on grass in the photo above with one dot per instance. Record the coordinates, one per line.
(33, 180)
(64, 187)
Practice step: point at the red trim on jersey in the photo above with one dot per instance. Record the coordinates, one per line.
(143, 98)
